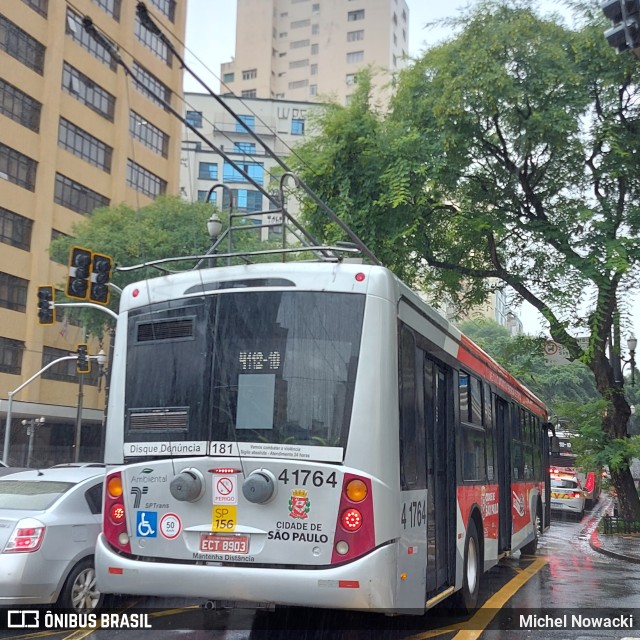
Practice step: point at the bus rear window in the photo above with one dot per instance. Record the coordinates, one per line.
(261, 366)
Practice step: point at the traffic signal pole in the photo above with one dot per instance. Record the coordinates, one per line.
(10, 394)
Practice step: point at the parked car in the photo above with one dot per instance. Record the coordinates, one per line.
(49, 523)
(567, 494)
(6, 470)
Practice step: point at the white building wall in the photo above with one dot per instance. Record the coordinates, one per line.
(281, 124)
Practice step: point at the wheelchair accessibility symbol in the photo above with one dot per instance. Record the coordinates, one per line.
(147, 524)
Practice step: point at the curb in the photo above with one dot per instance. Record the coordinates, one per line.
(594, 543)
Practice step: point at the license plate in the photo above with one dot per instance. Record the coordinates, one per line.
(220, 543)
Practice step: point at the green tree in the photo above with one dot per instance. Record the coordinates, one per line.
(555, 384)
(510, 155)
(168, 227)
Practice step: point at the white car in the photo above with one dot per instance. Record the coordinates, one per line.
(49, 523)
(567, 494)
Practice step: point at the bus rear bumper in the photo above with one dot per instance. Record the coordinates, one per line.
(364, 584)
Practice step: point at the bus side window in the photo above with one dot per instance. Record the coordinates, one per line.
(490, 433)
(413, 473)
(408, 413)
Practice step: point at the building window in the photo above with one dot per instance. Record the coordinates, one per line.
(21, 46)
(244, 147)
(168, 7)
(76, 196)
(202, 197)
(297, 64)
(354, 36)
(88, 92)
(248, 93)
(352, 16)
(17, 168)
(313, 70)
(84, 145)
(13, 292)
(298, 84)
(250, 121)
(314, 49)
(249, 74)
(11, 355)
(151, 87)
(315, 9)
(194, 118)
(297, 127)
(79, 34)
(19, 106)
(41, 6)
(143, 180)
(208, 171)
(351, 78)
(150, 136)
(228, 77)
(299, 44)
(112, 7)
(247, 200)
(254, 170)
(15, 229)
(299, 24)
(313, 89)
(355, 56)
(153, 42)
(315, 29)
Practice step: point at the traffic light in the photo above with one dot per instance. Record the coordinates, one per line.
(45, 305)
(100, 274)
(625, 17)
(79, 272)
(83, 364)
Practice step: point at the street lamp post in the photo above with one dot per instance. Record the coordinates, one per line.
(632, 343)
(31, 431)
(214, 227)
(214, 223)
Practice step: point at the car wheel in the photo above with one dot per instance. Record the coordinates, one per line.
(79, 592)
(468, 595)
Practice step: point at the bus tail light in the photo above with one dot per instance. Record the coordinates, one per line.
(355, 533)
(115, 516)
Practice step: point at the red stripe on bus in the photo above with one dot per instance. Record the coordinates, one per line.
(481, 363)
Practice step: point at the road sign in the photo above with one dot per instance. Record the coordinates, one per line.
(555, 353)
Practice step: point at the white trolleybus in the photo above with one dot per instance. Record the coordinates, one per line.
(315, 434)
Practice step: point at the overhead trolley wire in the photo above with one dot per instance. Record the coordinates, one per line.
(148, 22)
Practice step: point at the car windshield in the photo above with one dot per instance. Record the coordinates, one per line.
(27, 495)
(564, 483)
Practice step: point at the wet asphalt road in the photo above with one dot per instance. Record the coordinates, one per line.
(566, 578)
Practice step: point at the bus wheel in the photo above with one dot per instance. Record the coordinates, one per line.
(468, 595)
(530, 548)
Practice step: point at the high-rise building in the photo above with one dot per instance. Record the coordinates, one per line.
(280, 124)
(76, 133)
(305, 50)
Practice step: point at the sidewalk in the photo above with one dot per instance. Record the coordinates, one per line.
(621, 546)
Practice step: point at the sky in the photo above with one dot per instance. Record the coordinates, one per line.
(210, 41)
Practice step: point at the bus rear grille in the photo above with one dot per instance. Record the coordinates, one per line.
(165, 330)
(171, 419)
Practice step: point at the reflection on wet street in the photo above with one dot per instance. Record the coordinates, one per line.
(565, 577)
